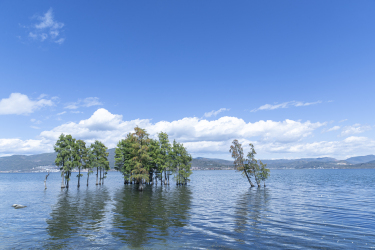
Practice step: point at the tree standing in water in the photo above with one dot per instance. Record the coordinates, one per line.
(260, 172)
(141, 158)
(63, 154)
(99, 159)
(123, 156)
(264, 173)
(81, 152)
(180, 160)
(161, 156)
(89, 165)
(239, 160)
(249, 166)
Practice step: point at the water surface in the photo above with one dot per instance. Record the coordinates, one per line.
(320, 209)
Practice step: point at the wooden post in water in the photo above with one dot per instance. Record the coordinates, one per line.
(45, 181)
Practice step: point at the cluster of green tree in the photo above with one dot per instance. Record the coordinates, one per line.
(249, 166)
(72, 153)
(142, 160)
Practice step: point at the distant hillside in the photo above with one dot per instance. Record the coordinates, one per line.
(27, 163)
(207, 163)
(361, 159)
(370, 164)
(325, 162)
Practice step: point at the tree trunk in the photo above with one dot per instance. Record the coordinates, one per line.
(67, 180)
(248, 178)
(256, 179)
(79, 176)
(165, 177)
(45, 181)
(161, 178)
(140, 188)
(100, 176)
(62, 181)
(97, 173)
(88, 175)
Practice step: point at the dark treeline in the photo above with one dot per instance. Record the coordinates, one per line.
(140, 159)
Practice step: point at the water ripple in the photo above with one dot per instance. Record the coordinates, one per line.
(319, 209)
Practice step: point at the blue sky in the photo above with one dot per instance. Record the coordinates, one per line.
(296, 78)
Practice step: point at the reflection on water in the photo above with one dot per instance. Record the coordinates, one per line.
(76, 213)
(299, 209)
(251, 208)
(145, 217)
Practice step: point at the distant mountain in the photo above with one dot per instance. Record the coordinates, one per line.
(361, 159)
(207, 163)
(27, 163)
(370, 164)
(325, 162)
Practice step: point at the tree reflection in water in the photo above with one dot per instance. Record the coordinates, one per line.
(250, 212)
(150, 216)
(75, 214)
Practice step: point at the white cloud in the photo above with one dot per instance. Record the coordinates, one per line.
(60, 41)
(351, 146)
(35, 121)
(71, 106)
(41, 96)
(47, 28)
(110, 128)
(215, 113)
(343, 120)
(20, 104)
(285, 105)
(355, 129)
(18, 146)
(87, 102)
(91, 101)
(61, 113)
(272, 139)
(334, 128)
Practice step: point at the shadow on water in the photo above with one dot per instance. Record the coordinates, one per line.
(250, 212)
(151, 216)
(77, 213)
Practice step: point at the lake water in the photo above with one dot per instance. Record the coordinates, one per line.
(322, 209)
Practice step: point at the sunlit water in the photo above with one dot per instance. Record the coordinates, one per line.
(322, 209)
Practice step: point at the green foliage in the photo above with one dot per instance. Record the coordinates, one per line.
(99, 155)
(66, 157)
(62, 149)
(138, 158)
(248, 167)
(99, 159)
(263, 172)
(140, 155)
(123, 156)
(180, 161)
